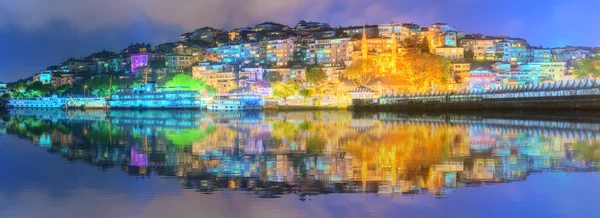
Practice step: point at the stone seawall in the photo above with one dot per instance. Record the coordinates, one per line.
(538, 104)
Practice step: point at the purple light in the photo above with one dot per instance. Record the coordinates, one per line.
(137, 159)
(139, 60)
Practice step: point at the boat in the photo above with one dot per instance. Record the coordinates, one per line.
(39, 102)
(86, 103)
(235, 102)
(151, 97)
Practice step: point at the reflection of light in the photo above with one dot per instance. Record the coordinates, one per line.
(138, 159)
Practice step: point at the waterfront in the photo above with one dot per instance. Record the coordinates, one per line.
(297, 164)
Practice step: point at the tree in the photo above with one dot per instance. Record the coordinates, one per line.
(587, 67)
(424, 45)
(62, 89)
(469, 55)
(424, 71)
(38, 88)
(299, 56)
(284, 89)
(305, 93)
(316, 75)
(187, 82)
(5, 96)
(362, 71)
(272, 76)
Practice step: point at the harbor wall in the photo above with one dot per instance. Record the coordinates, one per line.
(537, 104)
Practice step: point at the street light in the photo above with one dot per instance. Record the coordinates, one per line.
(84, 89)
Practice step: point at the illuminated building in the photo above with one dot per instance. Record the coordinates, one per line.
(511, 74)
(569, 53)
(73, 65)
(220, 76)
(480, 79)
(329, 52)
(238, 53)
(178, 62)
(354, 31)
(402, 31)
(311, 26)
(43, 77)
(460, 71)
(250, 75)
(553, 70)
(207, 34)
(483, 48)
(297, 74)
(452, 53)
(139, 60)
(541, 55)
(63, 79)
(118, 64)
(277, 52)
(2, 85)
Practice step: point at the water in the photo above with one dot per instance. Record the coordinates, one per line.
(296, 164)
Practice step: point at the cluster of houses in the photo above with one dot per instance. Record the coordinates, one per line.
(237, 58)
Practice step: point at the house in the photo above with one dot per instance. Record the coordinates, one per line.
(452, 53)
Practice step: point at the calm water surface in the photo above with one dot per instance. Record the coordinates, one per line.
(295, 164)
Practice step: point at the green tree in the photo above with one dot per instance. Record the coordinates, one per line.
(587, 67)
(469, 55)
(272, 76)
(187, 82)
(284, 89)
(5, 96)
(38, 88)
(305, 93)
(316, 75)
(300, 55)
(62, 89)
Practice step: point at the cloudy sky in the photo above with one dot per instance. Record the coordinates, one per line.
(38, 33)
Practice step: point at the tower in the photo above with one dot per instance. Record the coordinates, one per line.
(363, 47)
(394, 48)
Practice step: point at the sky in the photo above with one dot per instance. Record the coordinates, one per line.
(35, 34)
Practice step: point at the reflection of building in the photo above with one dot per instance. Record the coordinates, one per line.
(313, 153)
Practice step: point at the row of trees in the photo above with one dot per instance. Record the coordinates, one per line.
(102, 86)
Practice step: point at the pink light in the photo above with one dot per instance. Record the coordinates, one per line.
(138, 159)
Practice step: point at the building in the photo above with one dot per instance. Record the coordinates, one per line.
(249, 75)
(480, 79)
(297, 74)
(177, 63)
(569, 53)
(118, 64)
(2, 85)
(452, 53)
(483, 48)
(514, 74)
(329, 52)
(43, 77)
(220, 76)
(63, 79)
(540, 55)
(73, 65)
(441, 27)
(460, 71)
(238, 53)
(311, 26)
(357, 31)
(207, 34)
(553, 70)
(277, 52)
(139, 60)
(401, 31)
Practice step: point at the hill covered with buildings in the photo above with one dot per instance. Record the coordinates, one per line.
(323, 60)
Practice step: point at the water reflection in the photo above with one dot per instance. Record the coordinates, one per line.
(310, 153)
